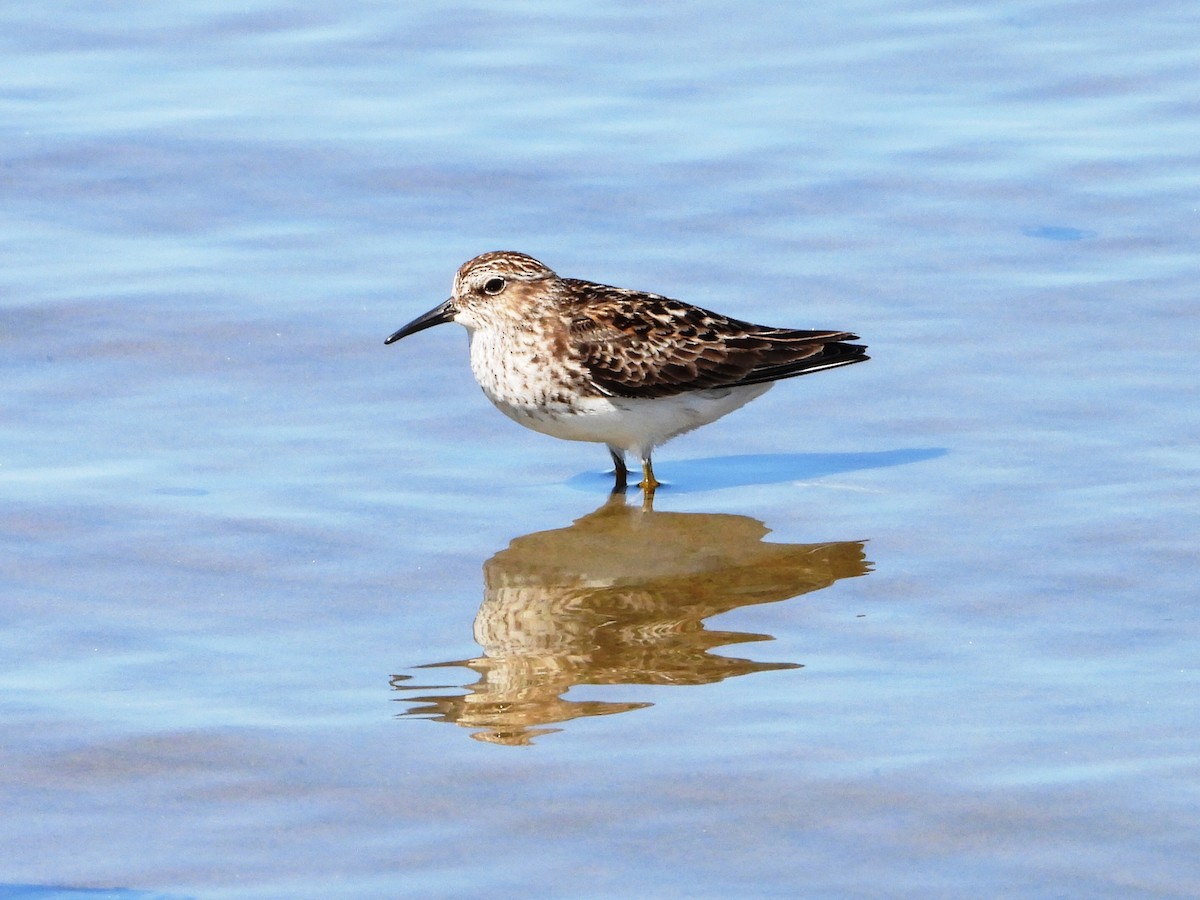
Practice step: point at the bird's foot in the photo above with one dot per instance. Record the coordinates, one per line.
(648, 482)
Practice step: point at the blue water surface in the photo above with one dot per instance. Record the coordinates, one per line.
(286, 612)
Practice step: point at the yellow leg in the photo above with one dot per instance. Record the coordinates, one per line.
(649, 482)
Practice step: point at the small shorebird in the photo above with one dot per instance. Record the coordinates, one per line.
(589, 362)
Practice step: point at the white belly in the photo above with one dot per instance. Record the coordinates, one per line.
(637, 426)
(531, 387)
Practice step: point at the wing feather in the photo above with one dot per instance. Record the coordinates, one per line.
(634, 344)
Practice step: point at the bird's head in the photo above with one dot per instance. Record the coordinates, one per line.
(487, 290)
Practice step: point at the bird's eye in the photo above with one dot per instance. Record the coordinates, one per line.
(493, 285)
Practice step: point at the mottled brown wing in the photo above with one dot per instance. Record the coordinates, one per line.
(645, 345)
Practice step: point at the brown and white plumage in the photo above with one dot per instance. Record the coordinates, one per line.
(591, 362)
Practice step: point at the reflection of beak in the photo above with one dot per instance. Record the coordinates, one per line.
(436, 316)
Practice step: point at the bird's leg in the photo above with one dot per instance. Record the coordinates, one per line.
(649, 482)
(620, 471)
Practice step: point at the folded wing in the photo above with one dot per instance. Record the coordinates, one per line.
(639, 345)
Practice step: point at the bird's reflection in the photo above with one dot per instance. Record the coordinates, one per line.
(619, 597)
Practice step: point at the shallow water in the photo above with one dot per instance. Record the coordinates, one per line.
(290, 613)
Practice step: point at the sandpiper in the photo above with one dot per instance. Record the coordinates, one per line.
(589, 362)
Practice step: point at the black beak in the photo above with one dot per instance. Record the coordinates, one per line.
(436, 316)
